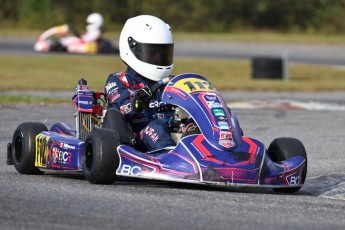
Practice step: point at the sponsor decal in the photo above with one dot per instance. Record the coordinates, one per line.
(113, 96)
(178, 91)
(223, 125)
(218, 112)
(160, 116)
(126, 108)
(130, 170)
(61, 157)
(151, 133)
(66, 146)
(222, 118)
(110, 85)
(191, 128)
(213, 102)
(82, 87)
(210, 98)
(294, 179)
(85, 102)
(139, 120)
(225, 139)
(156, 104)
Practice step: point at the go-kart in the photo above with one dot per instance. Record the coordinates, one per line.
(56, 39)
(210, 146)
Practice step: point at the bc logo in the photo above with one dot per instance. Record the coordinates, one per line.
(293, 180)
(130, 170)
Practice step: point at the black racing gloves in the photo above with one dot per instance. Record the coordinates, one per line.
(144, 95)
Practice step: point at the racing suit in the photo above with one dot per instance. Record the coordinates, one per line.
(148, 122)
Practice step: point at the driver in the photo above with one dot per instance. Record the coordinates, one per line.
(86, 42)
(146, 47)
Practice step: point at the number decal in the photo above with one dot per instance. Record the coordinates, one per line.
(41, 150)
(190, 85)
(194, 84)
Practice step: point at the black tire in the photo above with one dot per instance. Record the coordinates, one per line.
(100, 159)
(56, 46)
(105, 47)
(284, 148)
(24, 147)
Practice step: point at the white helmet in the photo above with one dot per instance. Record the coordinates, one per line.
(94, 20)
(146, 45)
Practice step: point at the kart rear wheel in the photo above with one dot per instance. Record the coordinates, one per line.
(105, 47)
(100, 159)
(284, 148)
(24, 147)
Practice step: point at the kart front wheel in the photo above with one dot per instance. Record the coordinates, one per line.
(100, 159)
(24, 147)
(284, 148)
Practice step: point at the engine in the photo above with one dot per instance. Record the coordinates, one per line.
(89, 109)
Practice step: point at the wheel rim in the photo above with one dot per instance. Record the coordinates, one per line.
(18, 148)
(89, 157)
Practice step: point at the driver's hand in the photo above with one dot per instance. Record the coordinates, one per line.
(144, 94)
(143, 97)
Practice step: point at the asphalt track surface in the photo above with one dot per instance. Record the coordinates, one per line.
(295, 53)
(67, 201)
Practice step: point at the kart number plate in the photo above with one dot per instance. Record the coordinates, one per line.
(41, 150)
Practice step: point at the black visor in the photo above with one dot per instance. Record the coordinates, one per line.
(156, 54)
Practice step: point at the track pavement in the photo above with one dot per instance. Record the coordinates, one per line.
(56, 201)
(295, 53)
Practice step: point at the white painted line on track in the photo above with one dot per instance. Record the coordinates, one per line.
(287, 105)
(330, 186)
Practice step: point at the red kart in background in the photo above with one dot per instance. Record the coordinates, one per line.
(59, 39)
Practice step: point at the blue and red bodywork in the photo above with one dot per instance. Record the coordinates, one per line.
(60, 148)
(219, 155)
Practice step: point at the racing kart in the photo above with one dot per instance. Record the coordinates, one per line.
(55, 40)
(210, 146)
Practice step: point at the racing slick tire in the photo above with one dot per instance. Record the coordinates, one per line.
(284, 148)
(105, 47)
(56, 46)
(24, 147)
(100, 159)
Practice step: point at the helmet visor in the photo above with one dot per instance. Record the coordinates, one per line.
(156, 54)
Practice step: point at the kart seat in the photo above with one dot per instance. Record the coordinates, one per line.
(114, 120)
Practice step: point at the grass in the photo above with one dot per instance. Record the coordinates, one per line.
(264, 37)
(14, 99)
(62, 72)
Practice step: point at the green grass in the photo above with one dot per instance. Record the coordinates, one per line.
(264, 37)
(62, 72)
(15, 99)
